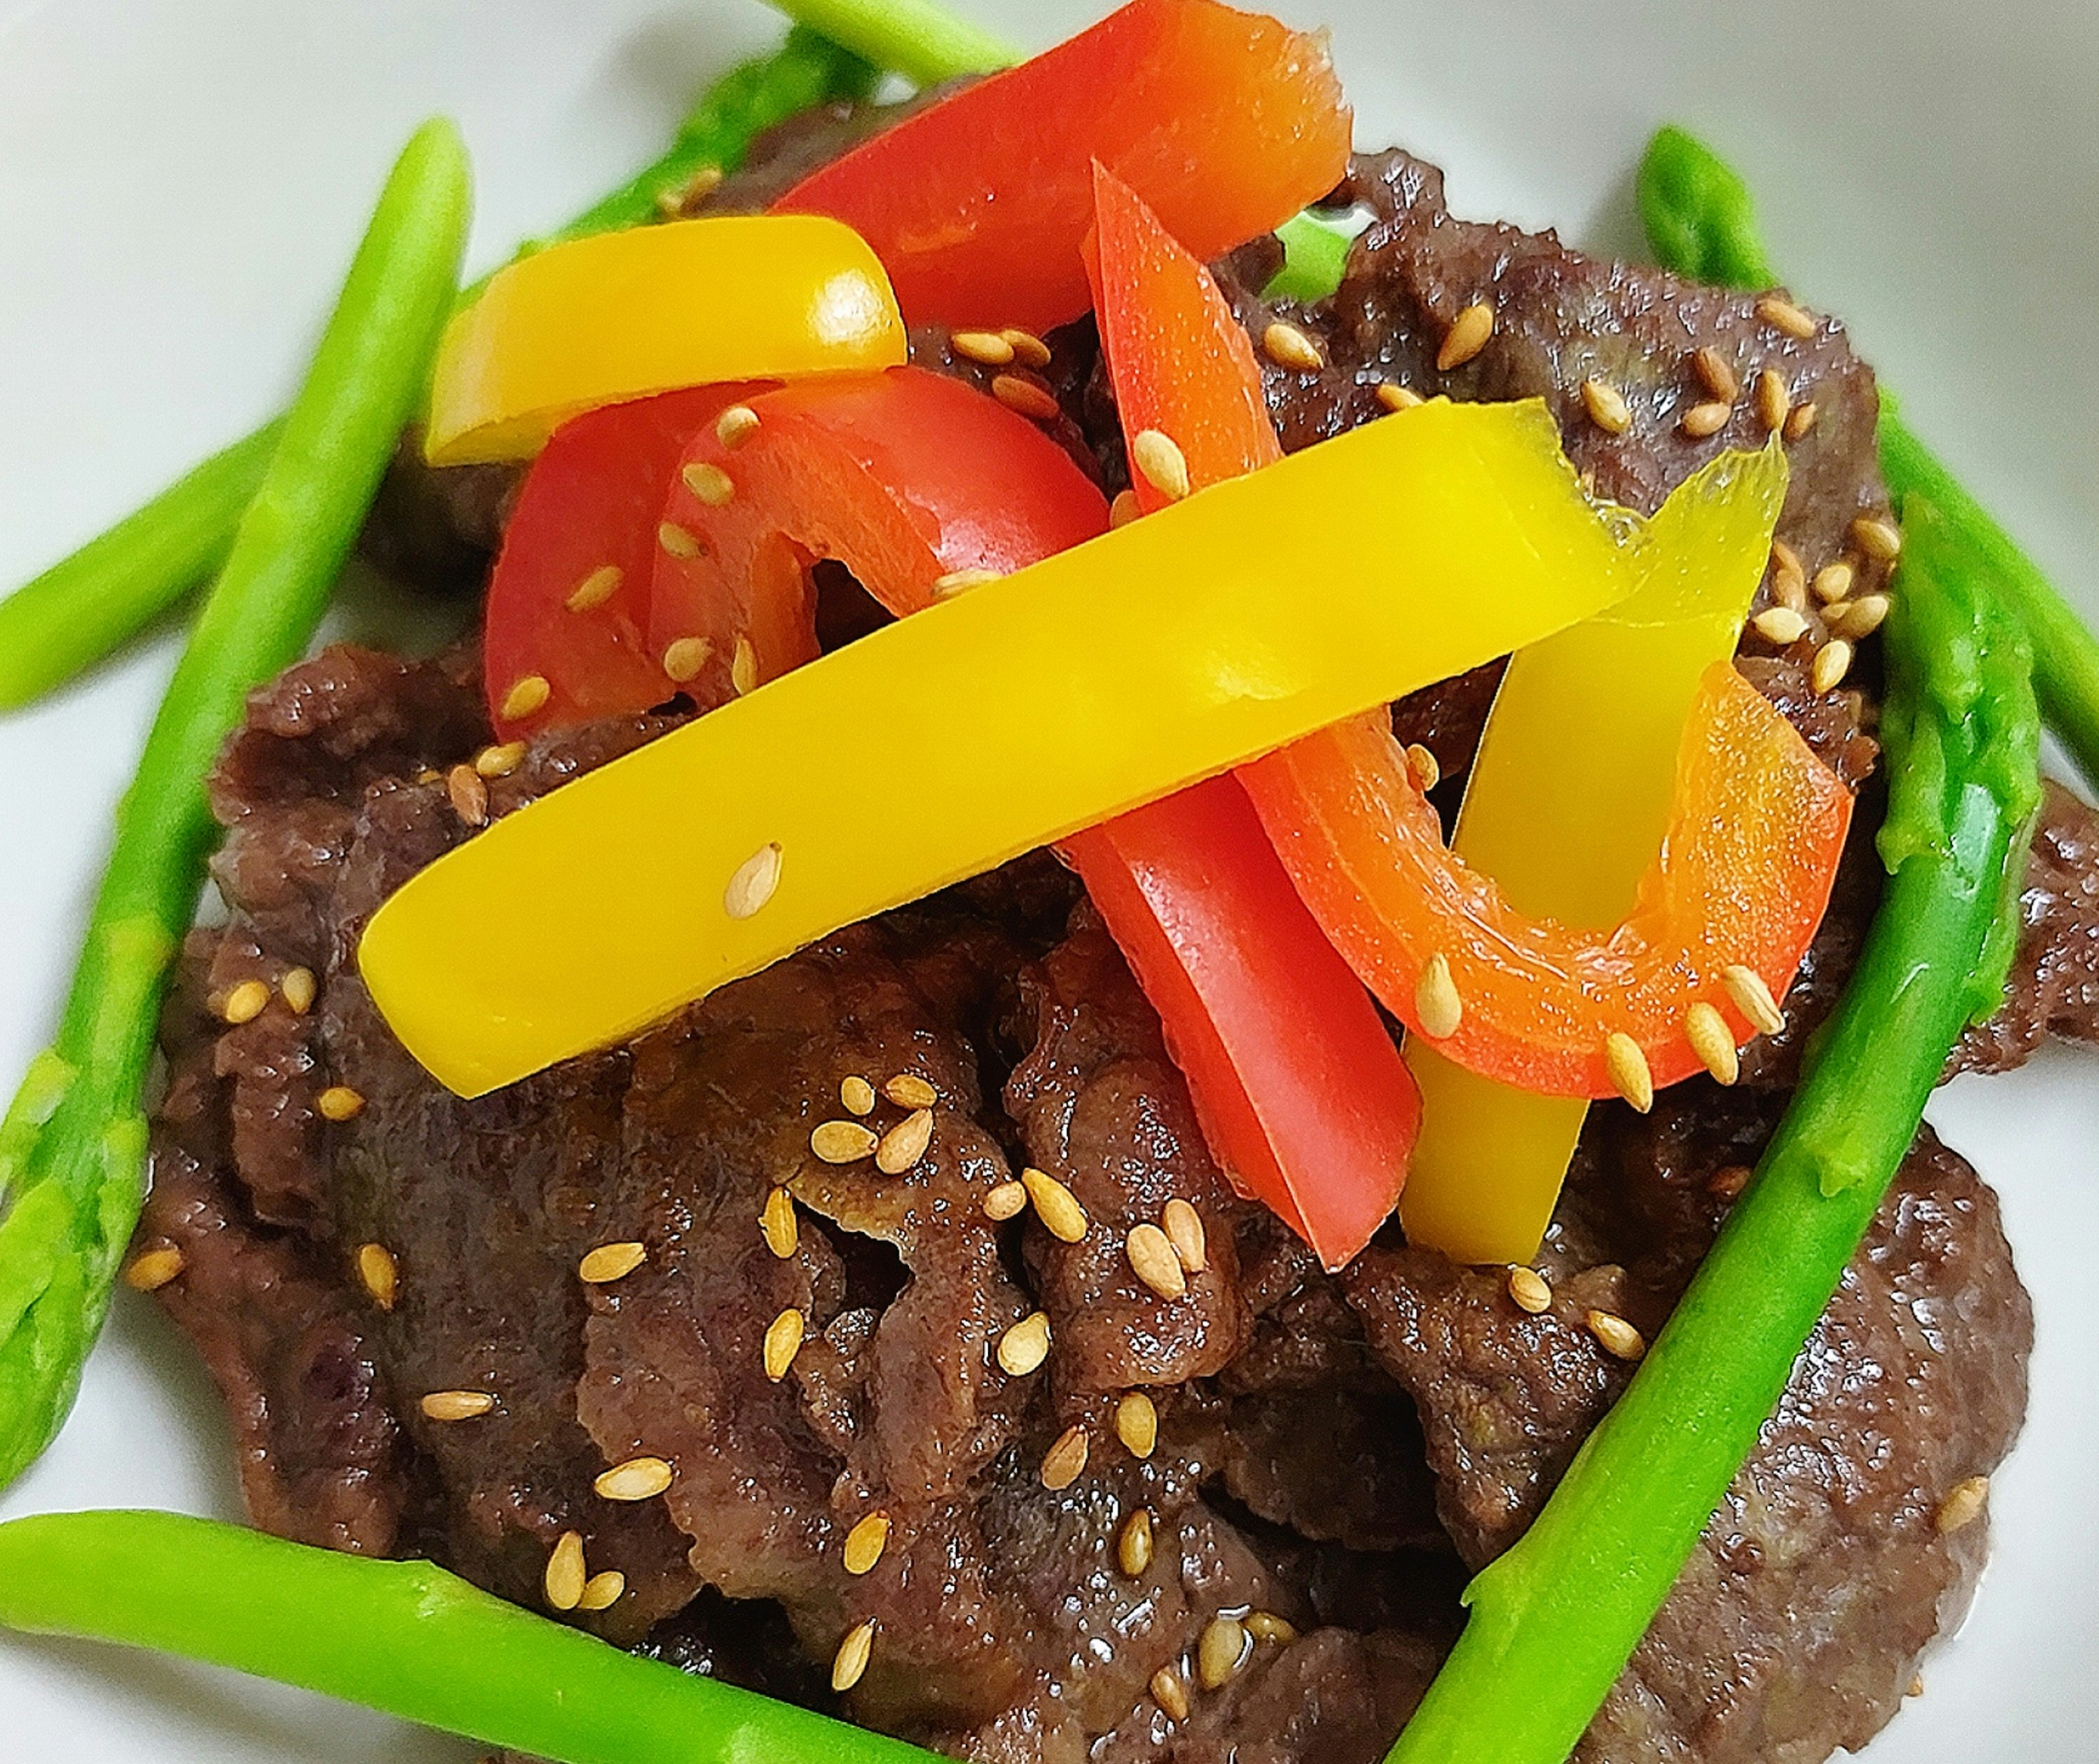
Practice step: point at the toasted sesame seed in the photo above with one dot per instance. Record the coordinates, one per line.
(1422, 764)
(596, 588)
(1775, 310)
(1123, 509)
(1833, 582)
(611, 1261)
(866, 1542)
(753, 883)
(601, 1592)
(1729, 1180)
(743, 667)
(1963, 1505)
(1137, 1423)
(987, 347)
(379, 1274)
(1170, 1693)
(1785, 557)
(1467, 336)
(783, 1341)
(1713, 1041)
(1152, 1260)
(1858, 619)
(1005, 1201)
(566, 1577)
(1024, 1348)
(1879, 538)
(1055, 1205)
(499, 760)
(1184, 1230)
(736, 425)
(908, 1090)
(468, 793)
(1266, 1626)
(1618, 1337)
(702, 183)
(1220, 1652)
(1606, 405)
(1627, 1067)
(1063, 1462)
(1915, 1685)
(1287, 346)
(852, 1658)
(1030, 350)
(1802, 419)
(1773, 401)
(905, 1143)
(1161, 462)
(856, 1094)
(1789, 588)
(638, 1479)
(1716, 373)
(1134, 1543)
(1780, 625)
(528, 697)
(1753, 998)
(708, 481)
(1395, 396)
(676, 540)
(1707, 419)
(777, 1224)
(299, 988)
(339, 1102)
(1026, 398)
(1530, 1289)
(685, 657)
(842, 1142)
(150, 1270)
(957, 582)
(457, 1405)
(1438, 1006)
(244, 1003)
(1832, 662)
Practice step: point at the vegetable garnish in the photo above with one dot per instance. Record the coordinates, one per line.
(1225, 122)
(1565, 806)
(406, 1638)
(1554, 1619)
(622, 315)
(1087, 684)
(72, 1149)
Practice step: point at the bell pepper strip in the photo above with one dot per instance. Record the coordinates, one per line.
(622, 315)
(1564, 807)
(1226, 122)
(1081, 687)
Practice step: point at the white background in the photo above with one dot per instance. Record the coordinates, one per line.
(182, 181)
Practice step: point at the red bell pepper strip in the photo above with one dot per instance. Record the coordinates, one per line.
(1227, 122)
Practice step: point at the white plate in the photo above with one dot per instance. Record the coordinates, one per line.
(181, 182)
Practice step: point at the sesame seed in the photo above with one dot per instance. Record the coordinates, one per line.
(1287, 346)
(602, 1591)
(638, 1479)
(1788, 584)
(596, 588)
(1858, 619)
(1915, 1685)
(908, 1090)
(856, 1094)
(1832, 662)
(1123, 509)
(1753, 998)
(1170, 1693)
(1530, 1289)
(1716, 373)
(1438, 1006)
(676, 541)
(1701, 420)
(244, 1002)
(565, 1577)
(1802, 419)
(1025, 398)
(1221, 1652)
(1134, 1543)
(150, 1270)
(1031, 350)
(339, 1102)
(852, 1658)
(499, 761)
(1782, 314)
(1627, 1067)
(987, 347)
(1024, 1348)
(457, 1405)
(1780, 625)
(1184, 1232)
(1729, 1180)
(1161, 462)
(736, 425)
(905, 1143)
(866, 1542)
(300, 988)
(1606, 405)
(842, 1142)
(1266, 1626)
(778, 1225)
(1618, 1337)
(1055, 1205)
(1395, 396)
(1963, 1505)
(468, 794)
(611, 1261)
(1137, 1423)
(1879, 538)
(685, 657)
(1426, 769)
(743, 667)
(1786, 557)
(1152, 1260)
(1833, 581)
(702, 183)
(783, 1341)
(1711, 1039)
(753, 883)
(1064, 1461)
(526, 698)
(1467, 336)
(379, 1274)
(710, 483)
(1773, 401)
(960, 581)
(1005, 1201)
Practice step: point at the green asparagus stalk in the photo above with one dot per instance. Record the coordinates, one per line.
(920, 39)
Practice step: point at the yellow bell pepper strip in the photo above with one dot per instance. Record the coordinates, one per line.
(1099, 680)
(621, 315)
(1566, 807)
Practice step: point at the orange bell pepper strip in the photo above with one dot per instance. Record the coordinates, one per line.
(1226, 122)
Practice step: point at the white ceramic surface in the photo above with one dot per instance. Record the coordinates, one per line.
(181, 182)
